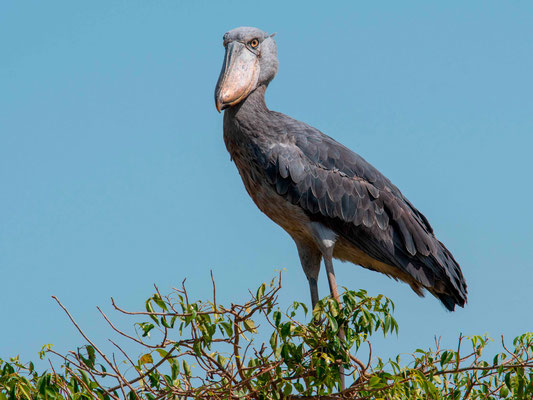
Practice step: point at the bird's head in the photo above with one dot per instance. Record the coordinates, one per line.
(250, 61)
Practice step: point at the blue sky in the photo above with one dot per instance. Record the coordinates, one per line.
(114, 175)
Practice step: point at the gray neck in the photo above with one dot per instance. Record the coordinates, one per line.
(254, 104)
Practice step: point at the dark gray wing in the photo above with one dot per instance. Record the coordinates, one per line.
(344, 192)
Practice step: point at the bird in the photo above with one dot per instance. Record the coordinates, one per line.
(331, 201)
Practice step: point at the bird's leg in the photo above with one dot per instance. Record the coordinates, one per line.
(328, 256)
(313, 287)
(310, 258)
(325, 239)
(331, 275)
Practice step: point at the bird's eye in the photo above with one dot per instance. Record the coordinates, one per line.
(254, 43)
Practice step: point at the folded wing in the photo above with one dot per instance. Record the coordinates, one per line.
(344, 192)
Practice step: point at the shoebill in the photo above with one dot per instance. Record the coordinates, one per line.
(331, 201)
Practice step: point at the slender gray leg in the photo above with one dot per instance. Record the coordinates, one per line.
(313, 287)
(326, 239)
(331, 275)
(310, 258)
(335, 294)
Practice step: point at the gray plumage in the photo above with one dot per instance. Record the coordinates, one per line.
(329, 199)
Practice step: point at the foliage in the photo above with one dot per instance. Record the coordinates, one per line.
(206, 350)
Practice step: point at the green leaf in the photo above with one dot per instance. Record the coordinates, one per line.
(146, 327)
(277, 352)
(333, 323)
(175, 370)
(197, 347)
(162, 353)
(150, 309)
(173, 320)
(91, 353)
(277, 318)
(446, 357)
(287, 389)
(260, 292)
(507, 380)
(221, 360)
(274, 341)
(84, 377)
(285, 330)
(159, 301)
(165, 323)
(228, 328)
(186, 368)
(44, 350)
(504, 392)
(250, 326)
(374, 381)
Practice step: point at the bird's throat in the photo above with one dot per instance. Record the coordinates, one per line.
(253, 104)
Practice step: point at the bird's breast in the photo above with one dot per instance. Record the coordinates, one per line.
(249, 160)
